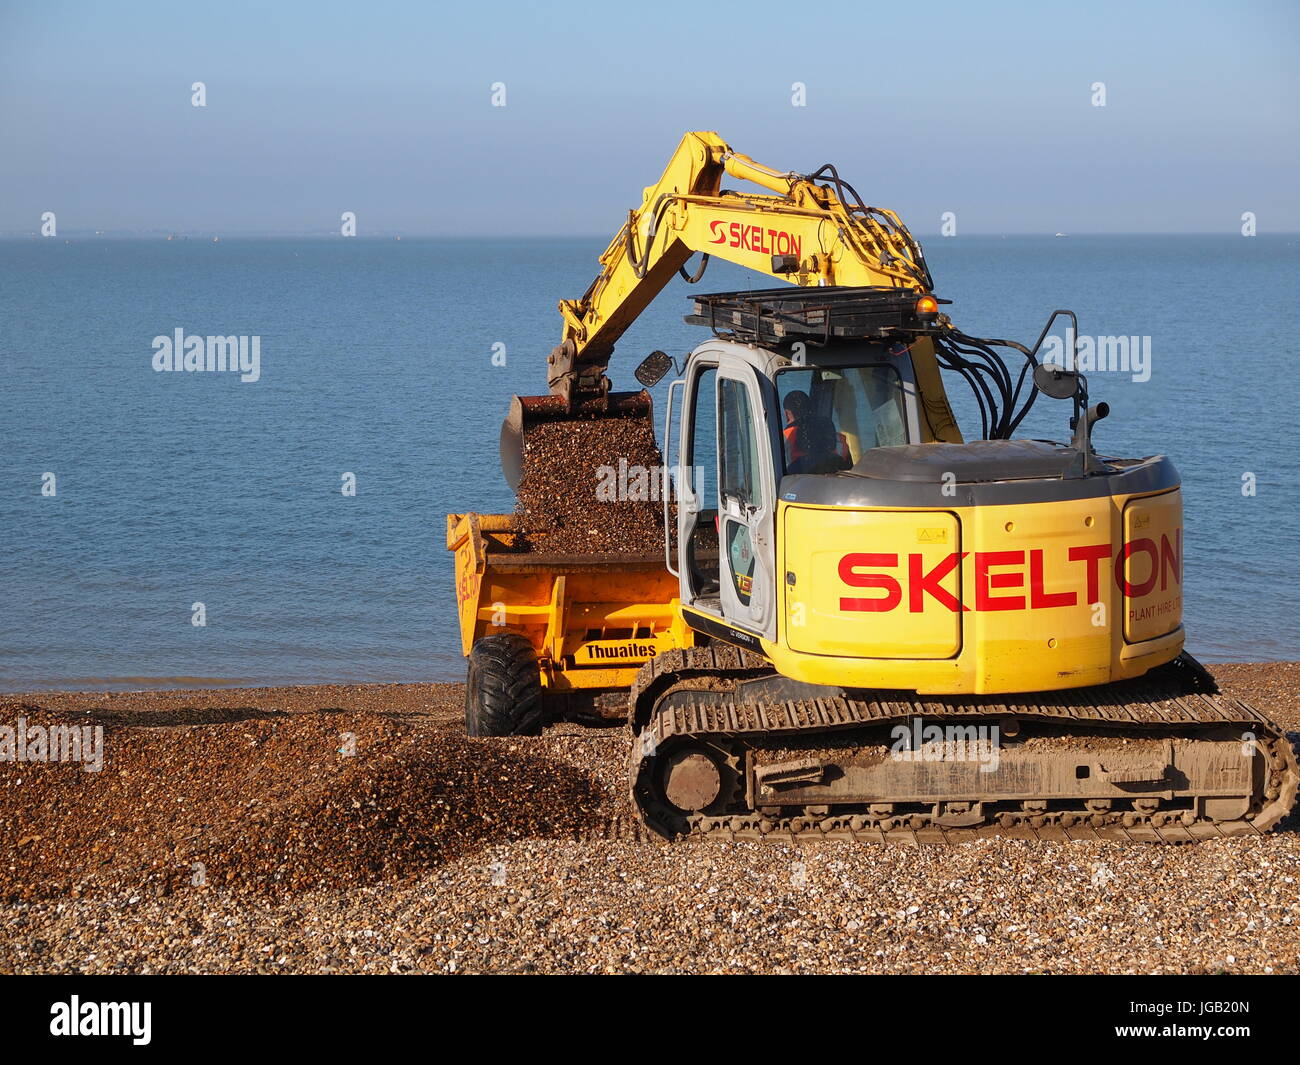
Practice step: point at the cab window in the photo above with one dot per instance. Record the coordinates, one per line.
(831, 416)
(738, 447)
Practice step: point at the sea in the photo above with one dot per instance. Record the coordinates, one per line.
(301, 515)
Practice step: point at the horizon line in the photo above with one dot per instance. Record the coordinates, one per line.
(257, 234)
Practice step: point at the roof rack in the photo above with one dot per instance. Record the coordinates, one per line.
(820, 314)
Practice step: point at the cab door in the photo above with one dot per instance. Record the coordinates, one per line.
(746, 501)
(696, 493)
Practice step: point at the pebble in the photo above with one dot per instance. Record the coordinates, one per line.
(583, 491)
(428, 852)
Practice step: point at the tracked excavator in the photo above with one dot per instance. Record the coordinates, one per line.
(880, 628)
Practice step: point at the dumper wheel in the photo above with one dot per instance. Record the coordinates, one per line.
(503, 695)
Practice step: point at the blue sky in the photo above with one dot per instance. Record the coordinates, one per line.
(384, 109)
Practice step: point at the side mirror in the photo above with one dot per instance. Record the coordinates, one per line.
(1056, 381)
(652, 368)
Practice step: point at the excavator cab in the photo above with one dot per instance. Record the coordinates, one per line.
(756, 408)
(751, 415)
(826, 525)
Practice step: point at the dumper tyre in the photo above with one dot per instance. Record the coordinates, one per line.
(503, 693)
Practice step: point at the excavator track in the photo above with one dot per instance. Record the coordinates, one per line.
(1165, 759)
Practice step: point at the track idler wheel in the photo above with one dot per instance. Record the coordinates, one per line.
(691, 781)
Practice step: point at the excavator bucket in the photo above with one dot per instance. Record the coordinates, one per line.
(527, 412)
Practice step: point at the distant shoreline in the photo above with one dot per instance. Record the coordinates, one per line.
(206, 235)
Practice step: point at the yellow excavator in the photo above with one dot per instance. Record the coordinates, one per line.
(878, 627)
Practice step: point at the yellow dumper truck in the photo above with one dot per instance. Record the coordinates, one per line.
(546, 632)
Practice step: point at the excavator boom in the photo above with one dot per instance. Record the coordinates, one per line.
(810, 230)
(805, 234)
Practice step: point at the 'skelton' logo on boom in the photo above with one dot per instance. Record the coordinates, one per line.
(755, 238)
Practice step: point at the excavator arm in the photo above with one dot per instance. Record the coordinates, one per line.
(808, 229)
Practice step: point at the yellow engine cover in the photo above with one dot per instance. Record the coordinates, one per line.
(1013, 598)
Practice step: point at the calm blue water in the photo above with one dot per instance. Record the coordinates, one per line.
(376, 360)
